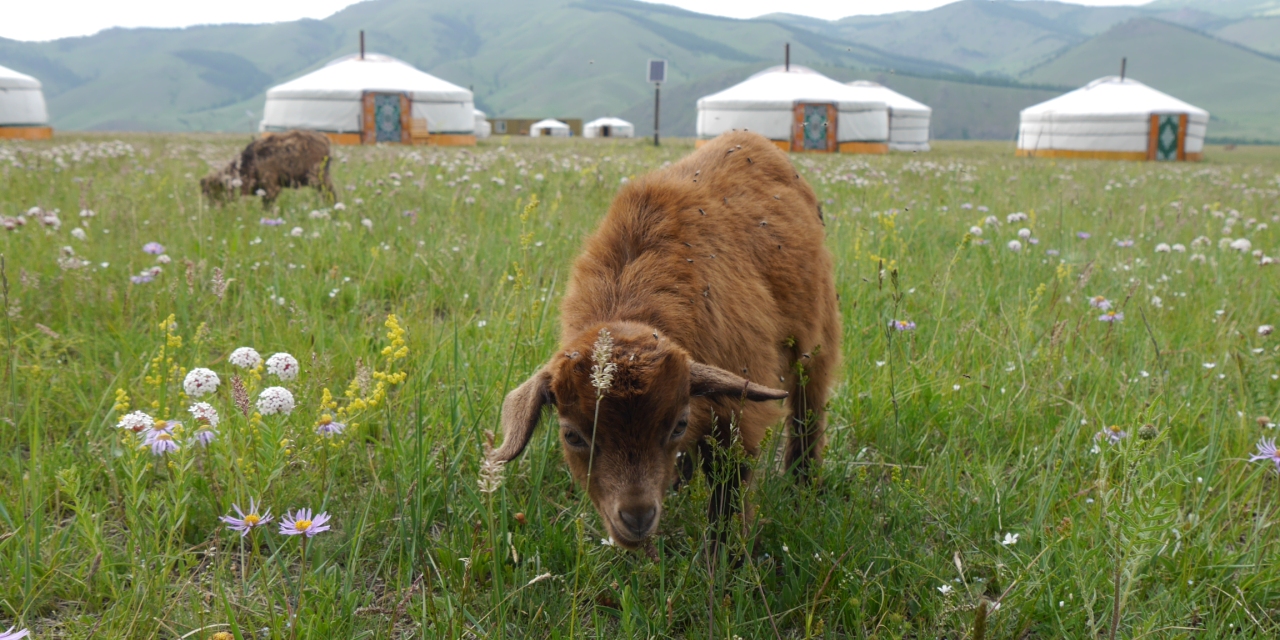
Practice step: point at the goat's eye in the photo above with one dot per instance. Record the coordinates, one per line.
(681, 427)
(574, 440)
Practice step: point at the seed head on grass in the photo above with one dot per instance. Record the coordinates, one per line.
(247, 521)
(603, 368)
(490, 478)
(303, 523)
(240, 395)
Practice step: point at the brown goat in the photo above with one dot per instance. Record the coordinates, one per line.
(272, 163)
(711, 282)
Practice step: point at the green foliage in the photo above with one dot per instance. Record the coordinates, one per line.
(972, 465)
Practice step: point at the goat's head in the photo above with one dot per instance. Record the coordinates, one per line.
(623, 413)
(223, 184)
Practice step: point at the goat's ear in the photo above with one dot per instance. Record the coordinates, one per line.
(520, 414)
(706, 380)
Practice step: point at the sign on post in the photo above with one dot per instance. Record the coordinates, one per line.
(657, 75)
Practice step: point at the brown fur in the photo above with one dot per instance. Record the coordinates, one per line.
(712, 278)
(272, 163)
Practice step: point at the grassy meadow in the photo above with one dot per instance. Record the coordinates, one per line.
(1014, 462)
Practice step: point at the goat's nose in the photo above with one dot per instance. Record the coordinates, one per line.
(638, 519)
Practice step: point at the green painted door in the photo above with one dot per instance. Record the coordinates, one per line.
(1167, 138)
(815, 127)
(386, 117)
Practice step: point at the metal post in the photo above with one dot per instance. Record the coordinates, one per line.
(656, 103)
(1124, 62)
(787, 57)
(362, 44)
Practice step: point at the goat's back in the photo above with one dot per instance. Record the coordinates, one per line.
(722, 251)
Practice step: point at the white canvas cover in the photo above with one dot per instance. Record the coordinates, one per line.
(617, 128)
(329, 98)
(1108, 114)
(21, 100)
(483, 128)
(908, 119)
(550, 127)
(764, 104)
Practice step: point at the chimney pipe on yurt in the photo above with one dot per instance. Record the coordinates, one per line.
(786, 60)
(1124, 62)
(362, 44)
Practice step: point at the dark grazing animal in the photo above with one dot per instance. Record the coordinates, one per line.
(711, 282)
(271, 163)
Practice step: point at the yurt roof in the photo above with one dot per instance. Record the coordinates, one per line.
(10, 79)
(608, 121)
(778, 87)
(1112, 96)
(348, 77)
(479, 113)
(549, 123)
(895, 100)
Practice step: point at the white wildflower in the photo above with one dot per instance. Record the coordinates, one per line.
(275, 400)
(200, 382)
(245, 358)
(283, 366)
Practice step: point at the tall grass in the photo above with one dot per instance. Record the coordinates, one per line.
(969, 466)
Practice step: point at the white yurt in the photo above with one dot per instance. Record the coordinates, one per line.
(373, 98)
(908, 119)
(796, 107)
(550, 127)
(23, 114)
(1114, 118)
(608, 128)
(483, 128)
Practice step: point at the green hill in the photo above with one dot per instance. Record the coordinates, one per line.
(977, 62)
(1261, 34)
(1239, 87)
(522, 58)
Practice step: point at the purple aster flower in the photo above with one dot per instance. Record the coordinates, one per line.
(10, 634)
(1124, 244)
(1267, 451)
(1113, 434)
(1051, 252)
(1083, 235)
(1111, 316)
(903, 325)
(272, 222)
(162, 444)
(327, 426)
(302, 523)
(1100, 302)
(142, 278)
(247, 521)
(205, 436)
(153, 248)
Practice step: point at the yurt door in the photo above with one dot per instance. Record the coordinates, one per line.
(386, 118)
(814, 128)
(1168, 138)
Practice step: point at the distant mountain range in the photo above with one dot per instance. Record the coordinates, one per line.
(977, 62)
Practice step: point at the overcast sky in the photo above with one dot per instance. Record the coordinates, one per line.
(52, 19)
